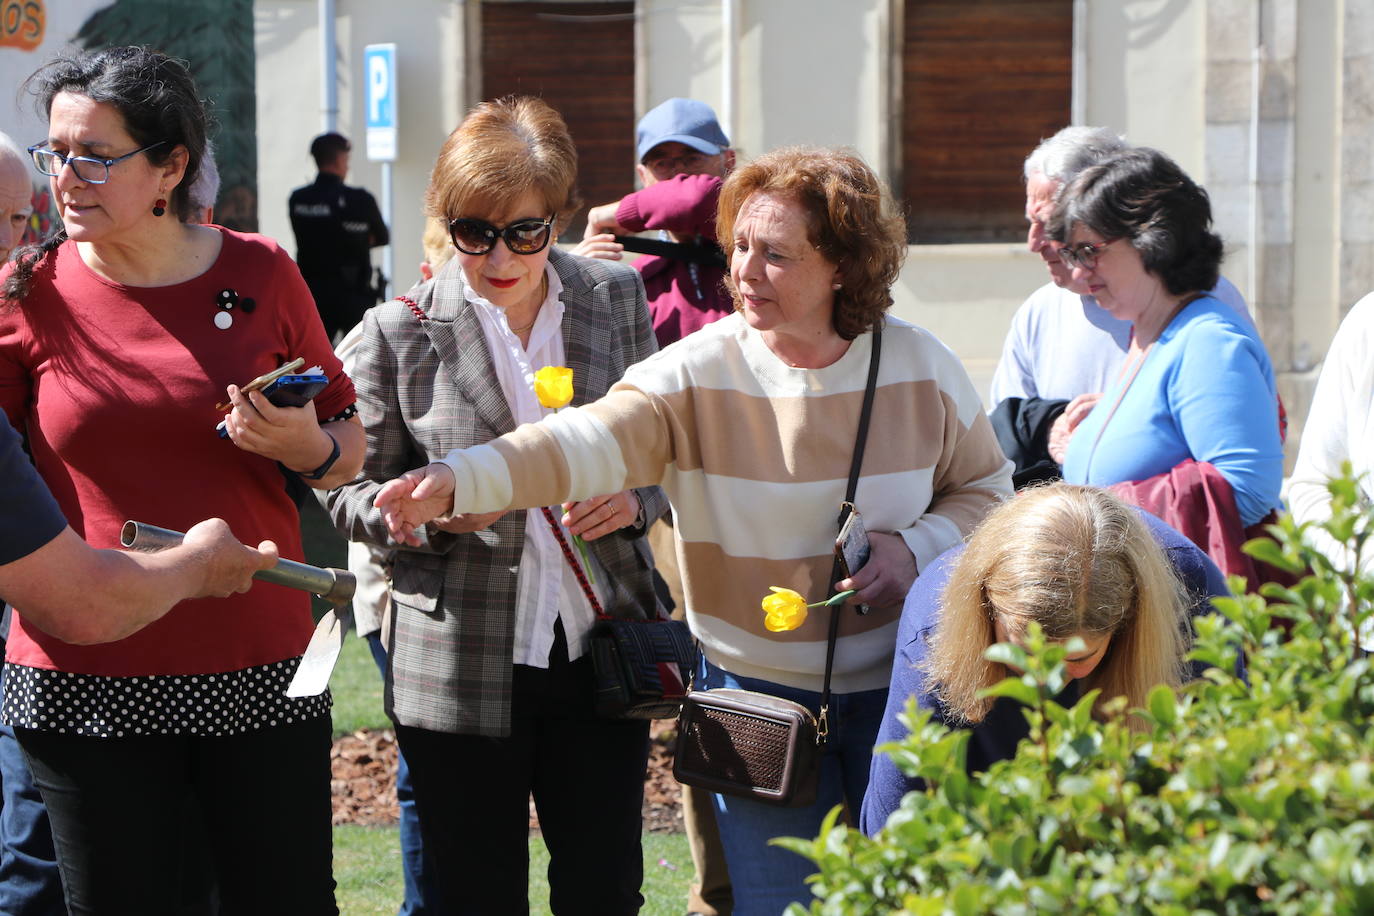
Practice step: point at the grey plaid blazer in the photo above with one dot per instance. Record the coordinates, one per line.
(425, 387)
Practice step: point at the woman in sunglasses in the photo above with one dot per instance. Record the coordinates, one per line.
(489, 682)
(174, 746)
(1190, 429)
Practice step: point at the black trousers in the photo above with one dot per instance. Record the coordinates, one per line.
(145, 824)
(587, 777)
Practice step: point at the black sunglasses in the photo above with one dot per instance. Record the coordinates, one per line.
(477, 236)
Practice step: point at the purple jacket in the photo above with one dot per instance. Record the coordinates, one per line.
(682, 296)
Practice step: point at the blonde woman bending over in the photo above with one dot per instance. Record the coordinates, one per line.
(1079, 562)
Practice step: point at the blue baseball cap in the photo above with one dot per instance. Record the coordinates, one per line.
(685, 121)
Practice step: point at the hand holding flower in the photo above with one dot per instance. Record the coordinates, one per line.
(887, 576)
(786, 610)
(599, 516)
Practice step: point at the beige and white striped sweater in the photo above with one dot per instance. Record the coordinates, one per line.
(754, 456)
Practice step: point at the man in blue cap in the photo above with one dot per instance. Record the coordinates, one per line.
(683, 158)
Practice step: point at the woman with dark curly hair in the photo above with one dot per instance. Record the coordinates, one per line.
(1197, 388)
(161, 750)
(749, 424)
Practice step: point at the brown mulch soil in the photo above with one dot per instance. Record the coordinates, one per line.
(364, 780)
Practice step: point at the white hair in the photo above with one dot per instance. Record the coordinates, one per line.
(1073, 149)
(9, 148)
(204, 191)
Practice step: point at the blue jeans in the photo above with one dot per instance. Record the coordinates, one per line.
(417, 871)
(30, 883)
(767, 878)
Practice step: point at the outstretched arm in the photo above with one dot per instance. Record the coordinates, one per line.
(83, 595)
(621, 441)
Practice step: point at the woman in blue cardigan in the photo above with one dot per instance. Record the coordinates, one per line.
(1197, 386)
(1074, 559)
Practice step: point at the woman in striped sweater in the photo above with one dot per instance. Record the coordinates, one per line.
(749, 426)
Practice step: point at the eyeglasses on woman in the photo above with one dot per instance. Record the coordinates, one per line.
(89, 169)
(1084, 255)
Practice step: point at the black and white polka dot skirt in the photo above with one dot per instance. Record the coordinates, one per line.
(210, 705)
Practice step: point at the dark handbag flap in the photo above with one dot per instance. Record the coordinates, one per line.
(641, 667)
(657, 655)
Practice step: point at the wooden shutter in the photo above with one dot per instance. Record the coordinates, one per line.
(578, 57)
(983, 82)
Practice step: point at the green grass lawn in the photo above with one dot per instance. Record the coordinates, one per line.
(367, 866)
(367, 860)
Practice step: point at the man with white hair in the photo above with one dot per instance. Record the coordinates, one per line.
(16, 196)
(29, 880)
(1063, 349)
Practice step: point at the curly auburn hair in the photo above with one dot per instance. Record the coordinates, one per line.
(851, 220)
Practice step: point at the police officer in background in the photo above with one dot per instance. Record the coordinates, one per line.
(335, 227)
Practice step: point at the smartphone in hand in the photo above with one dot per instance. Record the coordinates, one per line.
(852, 548)
(282, 388)
(295, 390)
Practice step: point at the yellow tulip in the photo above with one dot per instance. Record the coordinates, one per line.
(783, 610)
(553, 386)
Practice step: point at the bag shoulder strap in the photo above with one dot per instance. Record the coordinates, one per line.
(577, 569)
(865, 414)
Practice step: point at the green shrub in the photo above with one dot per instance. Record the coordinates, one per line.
(1239, 797)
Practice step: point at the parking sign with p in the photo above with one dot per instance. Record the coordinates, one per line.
(379, 77)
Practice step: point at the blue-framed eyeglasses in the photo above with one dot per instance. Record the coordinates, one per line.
(88, 168)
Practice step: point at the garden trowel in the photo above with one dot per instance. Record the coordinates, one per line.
(333, 585)
(317, 664)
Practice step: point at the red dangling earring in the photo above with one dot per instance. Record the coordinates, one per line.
(160, 206)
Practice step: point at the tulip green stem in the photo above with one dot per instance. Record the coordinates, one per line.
(581, 546)
(834, 599)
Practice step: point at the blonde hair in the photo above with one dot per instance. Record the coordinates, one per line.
(503, 149)
(1078, 561)
(438, 246)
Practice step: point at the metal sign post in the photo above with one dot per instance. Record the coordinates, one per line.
(379, 76)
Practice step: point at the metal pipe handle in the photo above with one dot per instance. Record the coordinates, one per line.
(333, 585)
